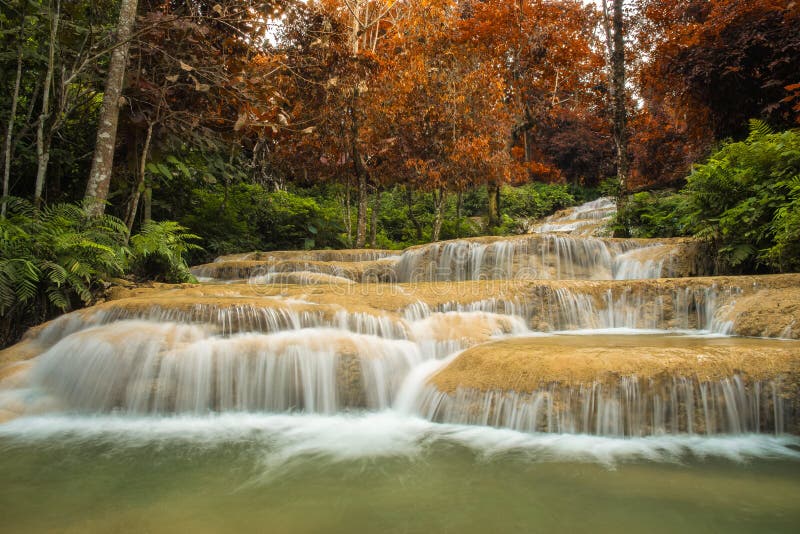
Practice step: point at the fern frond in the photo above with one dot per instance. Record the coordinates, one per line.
(759, 130)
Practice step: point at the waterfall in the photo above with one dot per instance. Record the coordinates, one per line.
(576, 220)
(426, 332)
(546, 256)
(539, 256)
(144, 367)
(631, 407)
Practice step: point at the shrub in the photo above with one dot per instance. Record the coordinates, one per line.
(158, 252)
(653, 215)
(745, 200)
(52, 260)
(535, 200)
(248, 217)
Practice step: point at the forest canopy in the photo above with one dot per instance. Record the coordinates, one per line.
(261, 124)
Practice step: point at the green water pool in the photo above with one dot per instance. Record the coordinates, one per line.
(382, 473)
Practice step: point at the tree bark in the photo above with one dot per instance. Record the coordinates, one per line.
(616, 51)
(361, 224)
(103, 161)
(439, 201)
(7, 151)
(373, 224)
(459, 204)
(620, 111)
(493, 190)
(141, 182)
(148, 203)
(411, 216)
(360, 173)
(348, 220)
(42, 139)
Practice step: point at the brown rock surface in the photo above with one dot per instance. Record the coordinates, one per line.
(768, 312)
(530, 363)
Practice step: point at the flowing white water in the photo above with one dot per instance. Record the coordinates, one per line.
(583, 220)
(562, 247)
(630, 408)
(374, 364)
(346, 437)
(284, 355)
(143, 367)
(545, 256)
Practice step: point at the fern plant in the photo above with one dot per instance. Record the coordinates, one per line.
(744, 199)
(52, 260)
(159, 250)
(55, 259)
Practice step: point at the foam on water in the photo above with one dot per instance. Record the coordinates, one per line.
(361, 436)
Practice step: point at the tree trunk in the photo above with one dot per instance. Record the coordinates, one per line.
(103, 161)
(348, 219)
(620, 112)
(459, 205)
(373, 224)
(7, 152)
(148, 203)
(411, 216)
(439, 201)
(42, 139)
(493, 190)
(141, 182)
(360, 173)
(361, 224)
(616, 53)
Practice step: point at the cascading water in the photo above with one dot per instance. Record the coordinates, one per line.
(630, 408)
(551, 252)
(583, 220)
(315, 332)
(297, 385)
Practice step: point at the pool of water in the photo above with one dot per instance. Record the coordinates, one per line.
(382, 472)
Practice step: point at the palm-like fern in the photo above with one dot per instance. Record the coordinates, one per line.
(746, 199)
(60, 251)
(52, 260)
(159, 249)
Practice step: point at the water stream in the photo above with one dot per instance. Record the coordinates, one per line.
(460, 386)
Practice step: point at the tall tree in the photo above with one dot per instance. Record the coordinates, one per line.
(12, 116)
(550, 65)
(103, 161)
(43, 135)
(615, 41)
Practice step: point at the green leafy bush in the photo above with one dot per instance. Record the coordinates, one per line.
(52, 260)
(535, 200)
(56, 259)
(158, 252)
(745, 200)
(248, 217)
(609, 187)
(653, 215)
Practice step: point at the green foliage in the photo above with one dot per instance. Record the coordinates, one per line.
(653, 215)
(55, 259)
(745, 200)
(52, 260)
(535, 200)
(609, 187)
(247, 217)
(159, 252)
